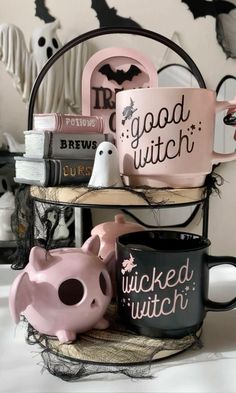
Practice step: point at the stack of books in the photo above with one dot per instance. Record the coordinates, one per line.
(60, 150)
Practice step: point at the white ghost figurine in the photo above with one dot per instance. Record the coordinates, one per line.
(106, 167)
(7, 207)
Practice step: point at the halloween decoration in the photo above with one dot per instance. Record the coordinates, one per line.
(111, 70)
(106, 167)
(43, 12)
(205, 7)
(119, 76)
(86, 369)
(24, 64)
(114, 350)
(60, 90)
(107, 16)
(52, 222)
(224, 12)
(64, 291)
(163, 282)
(7, 206)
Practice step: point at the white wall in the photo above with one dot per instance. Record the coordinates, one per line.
(197, 37)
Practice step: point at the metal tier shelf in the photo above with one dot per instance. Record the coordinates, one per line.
(119, 197)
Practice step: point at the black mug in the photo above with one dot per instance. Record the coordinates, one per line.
(163, 281)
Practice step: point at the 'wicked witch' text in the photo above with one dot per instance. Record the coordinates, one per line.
(163, 293)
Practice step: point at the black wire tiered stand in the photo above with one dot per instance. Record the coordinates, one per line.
(115, 350)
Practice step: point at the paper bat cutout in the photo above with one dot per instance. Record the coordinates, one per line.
(107, 16)
(43, 12)
(201, 8)
(119, 76)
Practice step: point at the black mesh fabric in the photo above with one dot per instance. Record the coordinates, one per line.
(31, 218)
(114, 350)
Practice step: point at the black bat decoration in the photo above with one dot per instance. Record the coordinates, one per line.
(107, 16)
(119, 76)
(201, 8)
(43, 12)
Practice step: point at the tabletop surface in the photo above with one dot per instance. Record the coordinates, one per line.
(206, 370)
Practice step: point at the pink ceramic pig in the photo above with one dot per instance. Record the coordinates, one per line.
(63, 291)
(110, 230)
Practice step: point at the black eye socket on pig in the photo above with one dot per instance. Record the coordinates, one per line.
(71, 291)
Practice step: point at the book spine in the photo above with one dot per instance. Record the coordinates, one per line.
(59, 172)
(80, 123)
(80, 146)
(69, 172)
(75, 123)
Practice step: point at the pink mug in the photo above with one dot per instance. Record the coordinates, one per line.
(165, 135)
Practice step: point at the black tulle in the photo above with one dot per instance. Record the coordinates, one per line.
(115, 350)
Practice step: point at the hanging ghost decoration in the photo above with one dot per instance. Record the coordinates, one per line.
(44, 43)
(60, 88)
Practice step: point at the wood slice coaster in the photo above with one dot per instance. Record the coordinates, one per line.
(114, 346)
(146, 197)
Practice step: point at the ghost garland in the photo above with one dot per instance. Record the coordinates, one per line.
(60, 89)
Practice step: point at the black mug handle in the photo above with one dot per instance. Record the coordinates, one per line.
(220, 306)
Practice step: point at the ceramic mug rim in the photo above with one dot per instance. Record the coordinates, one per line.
(204, 242)
(165, 88)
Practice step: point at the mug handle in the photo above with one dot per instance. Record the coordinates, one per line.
(220, 306)
(221, 157)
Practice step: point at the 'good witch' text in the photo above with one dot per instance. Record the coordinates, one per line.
(159, 148)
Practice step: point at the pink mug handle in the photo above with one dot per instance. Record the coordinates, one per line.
(221, 157)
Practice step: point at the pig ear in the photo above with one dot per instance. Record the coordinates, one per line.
(92, 245)
(39, 258)
(20, 295)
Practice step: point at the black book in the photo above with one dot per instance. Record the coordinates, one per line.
(52, 172)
